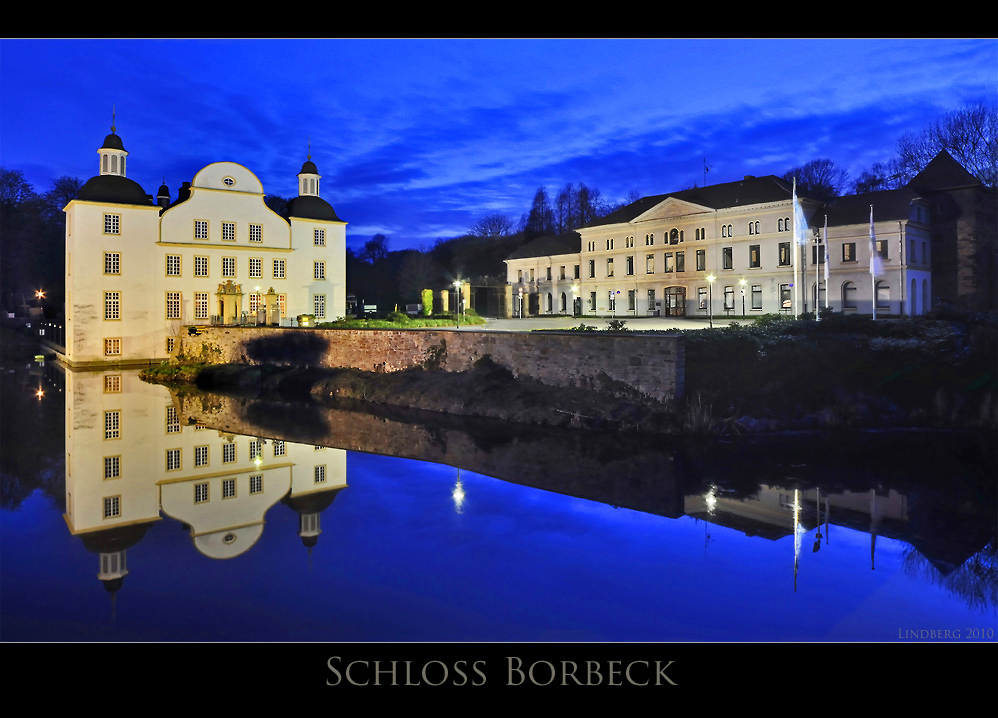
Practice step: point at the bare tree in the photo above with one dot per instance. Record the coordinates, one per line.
(818, 178)
(969, 135)
(492, 225)
(374, 249)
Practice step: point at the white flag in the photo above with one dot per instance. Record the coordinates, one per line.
(826, 257)
(800, 224)
(875, 268)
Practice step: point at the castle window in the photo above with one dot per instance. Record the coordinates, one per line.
(200, 266)
(200, 305)
(112, 305)
(112, 384)
(112, 263)
(228, 488)
(256, 484)
(319, 306)
(173, 305)
(112, 467)
(200, 456)
(200, 229)
(320, 238)
(256, 232)
(320, 474)
(173, 265)
(112, 424)
(228, 453)
(279, 268)
(255, 267)
(173, 459)
(112, 347)
(319, 270)
(172, 420)
(200, 493)
(228, 266)
(228, 231)
(112, 224)
(112, 507)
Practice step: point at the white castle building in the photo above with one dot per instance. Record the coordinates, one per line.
(139, 272)
(731, 249)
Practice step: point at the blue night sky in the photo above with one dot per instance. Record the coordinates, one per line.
(417, 139)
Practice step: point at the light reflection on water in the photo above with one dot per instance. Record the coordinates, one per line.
(588, 540)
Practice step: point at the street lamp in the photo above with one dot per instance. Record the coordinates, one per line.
(742, 283)
(457, 301)
(710, 299)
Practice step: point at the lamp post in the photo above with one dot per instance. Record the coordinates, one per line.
(457, 301)
(710, 299)
(742, 283)
(575, 298)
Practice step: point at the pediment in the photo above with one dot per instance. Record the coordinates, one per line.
(669, 208)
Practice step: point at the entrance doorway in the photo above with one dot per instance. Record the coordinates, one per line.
(675, 302)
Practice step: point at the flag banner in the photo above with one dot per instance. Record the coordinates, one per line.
(875, 267)
(826, 259)
(800, 224)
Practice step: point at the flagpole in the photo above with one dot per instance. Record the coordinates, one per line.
(796, 249)
(827, 286)
(901, 267)
(874, 268)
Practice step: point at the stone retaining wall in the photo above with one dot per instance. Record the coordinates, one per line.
(653, 364)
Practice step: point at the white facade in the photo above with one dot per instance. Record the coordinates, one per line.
(138, 273)
(729, 249)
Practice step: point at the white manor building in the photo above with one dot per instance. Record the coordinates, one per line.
(139, 272)
(729, 249)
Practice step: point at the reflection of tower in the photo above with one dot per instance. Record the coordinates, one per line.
(112, 546)
(309, 508)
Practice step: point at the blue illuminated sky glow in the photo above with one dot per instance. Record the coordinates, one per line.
(417, 139)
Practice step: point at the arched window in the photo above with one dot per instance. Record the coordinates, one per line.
(674, 236)
(848, 295)
(114, 164)
(105, 163)
(564, 302)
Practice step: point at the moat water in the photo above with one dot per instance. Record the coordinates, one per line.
(146, 526)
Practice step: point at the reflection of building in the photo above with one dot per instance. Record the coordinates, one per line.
(130, 462)
(138, 271)
(729, 249)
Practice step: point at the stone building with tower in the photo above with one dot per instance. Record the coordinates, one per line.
(141, 271)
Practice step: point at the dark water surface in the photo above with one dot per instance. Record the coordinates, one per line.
(467, 532)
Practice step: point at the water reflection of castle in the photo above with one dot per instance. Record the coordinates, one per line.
(130, 463)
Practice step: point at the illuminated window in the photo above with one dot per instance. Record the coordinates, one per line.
(112, 424)
(609, 267)
(255, 450)
(849, 252)
(172, 420)
(784, 254)
(650, 264)
(228, 231)
(882, 248)
(757, 296)
(726, 260)
(173, 265)
(112, 383)
(173, 305)
(112, 305)
(279, 449)
(256, 232)
(729, 297)
(200, 305)
(754, 259)
(112, 263)
(669, 264)
(112, 223)
(112, 347)
(701, 260)
(200, 266)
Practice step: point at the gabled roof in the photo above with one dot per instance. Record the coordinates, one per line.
(744, 192)
(549, 245)
(891, 204)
